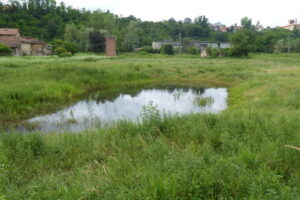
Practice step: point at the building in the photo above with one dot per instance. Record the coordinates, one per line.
(22, 45)
(198, 45)
(219, 27)
(159, 44)
(292, 25)
(110, 46)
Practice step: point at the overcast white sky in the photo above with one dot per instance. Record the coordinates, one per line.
(268, 12)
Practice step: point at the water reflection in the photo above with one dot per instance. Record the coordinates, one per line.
(94, 114)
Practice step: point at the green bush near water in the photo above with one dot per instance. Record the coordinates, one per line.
(238, 154)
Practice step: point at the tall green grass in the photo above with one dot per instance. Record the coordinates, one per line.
(234, 155)
(238, 154)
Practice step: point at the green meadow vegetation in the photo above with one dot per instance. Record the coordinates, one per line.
(237, 154)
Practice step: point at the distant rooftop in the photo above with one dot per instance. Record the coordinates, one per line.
(9, 31)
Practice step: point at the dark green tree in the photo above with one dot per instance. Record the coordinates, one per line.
(243, 42)
(167, 49)
(97, 42)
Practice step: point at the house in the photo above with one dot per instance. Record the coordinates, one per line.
(22, 45)
(198, 45)
(219, 27)
(159, 44)
(258, 27)
(292, 25)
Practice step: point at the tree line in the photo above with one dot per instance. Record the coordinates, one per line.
(53, 22)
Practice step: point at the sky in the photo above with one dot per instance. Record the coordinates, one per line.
(268, 12)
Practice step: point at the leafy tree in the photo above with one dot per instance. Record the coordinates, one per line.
(72, 34)
(103, 20)
(131, 38)
(243, 42)
(167, 49)
(97, 42)
(246, 23)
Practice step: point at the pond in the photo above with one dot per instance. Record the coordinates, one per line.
(98, 112)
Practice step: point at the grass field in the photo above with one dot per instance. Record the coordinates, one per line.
(238, 154)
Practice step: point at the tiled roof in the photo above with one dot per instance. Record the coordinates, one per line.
(15, 41)
(10, 41)
(31, 40)
(9, 31)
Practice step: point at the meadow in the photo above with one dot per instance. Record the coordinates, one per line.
(238, 154)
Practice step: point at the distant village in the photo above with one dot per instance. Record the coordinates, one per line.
(292, 25)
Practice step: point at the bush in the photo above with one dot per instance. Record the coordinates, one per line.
(62, 52)
(150, 50)
(167, 49)
(5, 50)
(213, 52)
(193, 51)
(65, 54)
(68, 46)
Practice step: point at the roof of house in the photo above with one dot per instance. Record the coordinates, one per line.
(31, 40)
(15, 41)
(9, 31)
(10, 41)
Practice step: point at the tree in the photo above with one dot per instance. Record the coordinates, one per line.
(103, 20)
(167, 49)
(243, 42)
(72, 33)
(97, 42)
(131, 38)
(187, 21)
(246, 23)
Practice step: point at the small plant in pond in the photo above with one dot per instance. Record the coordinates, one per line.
(150, 114)
(204, 101)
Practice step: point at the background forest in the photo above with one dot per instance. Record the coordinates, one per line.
(48, 21)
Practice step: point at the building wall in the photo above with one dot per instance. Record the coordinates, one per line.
(225, 45)
(158, 45)
(16, 52)
(25, 49)
(37, 49)
(111, 46)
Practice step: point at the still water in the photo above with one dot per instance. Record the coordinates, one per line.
(89, 114)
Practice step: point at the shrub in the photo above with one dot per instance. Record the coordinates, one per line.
(150, 50)
(60, 50)
(65, 54)
(213, 52)
(68, 46)
(193, 51)
(167, 49)
(5, 50)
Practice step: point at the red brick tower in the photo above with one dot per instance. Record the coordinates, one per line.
(110, 46)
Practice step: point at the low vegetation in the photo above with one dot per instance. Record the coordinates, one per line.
(5, 51)
(238, 154)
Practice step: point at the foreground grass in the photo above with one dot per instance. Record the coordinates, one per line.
(238, 154)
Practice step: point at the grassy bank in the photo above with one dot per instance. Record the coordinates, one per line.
(238, 154)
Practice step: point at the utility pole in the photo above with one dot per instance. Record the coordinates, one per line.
(289, 47)
(180, 40)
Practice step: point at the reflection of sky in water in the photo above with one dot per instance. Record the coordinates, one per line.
(93, 114)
